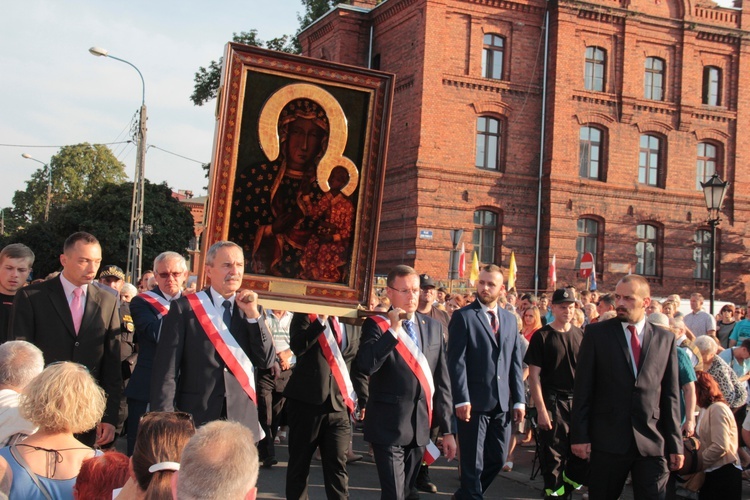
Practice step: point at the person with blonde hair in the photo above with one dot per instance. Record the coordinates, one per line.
(63, 400)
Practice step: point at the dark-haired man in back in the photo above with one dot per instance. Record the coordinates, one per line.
(16, 260)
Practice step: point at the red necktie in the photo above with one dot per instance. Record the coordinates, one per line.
(635, 345)
(336, 329)
(493, 324)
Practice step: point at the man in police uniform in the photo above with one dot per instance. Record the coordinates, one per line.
(114, 278)
(552, 356)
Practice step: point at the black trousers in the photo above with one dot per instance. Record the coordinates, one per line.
(555, 455)
(609, 472)
(136, 409)
(310, 427)
(397, 469)
(271, 403)
(724, 483)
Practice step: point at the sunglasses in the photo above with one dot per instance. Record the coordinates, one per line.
(167, 275)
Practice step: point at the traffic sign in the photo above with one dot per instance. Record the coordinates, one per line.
(587, 264)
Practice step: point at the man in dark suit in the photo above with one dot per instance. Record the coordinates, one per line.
(316, 410)
(69, 319)
(626, 403)
(148, 310)
(486, 371)
(398, 421)
(189, 372)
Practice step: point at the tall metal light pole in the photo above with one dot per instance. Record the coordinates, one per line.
(135, 242)
(48, 171)
(714, 189)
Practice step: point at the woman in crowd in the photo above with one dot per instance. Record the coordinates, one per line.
(731, 388)
(725, 325)
(158, 450)
(532, 321)
(101, 475)
(717, 431)
(457, 301)
(63, 400)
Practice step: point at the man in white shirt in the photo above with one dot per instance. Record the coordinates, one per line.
(699, 322)
(20, 362)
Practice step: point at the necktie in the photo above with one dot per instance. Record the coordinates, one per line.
(227, 313)
(409, 328)
(76, 308)
(494, 325)
(635, 345)
(336, 329)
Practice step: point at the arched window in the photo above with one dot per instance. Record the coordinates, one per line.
(702, 254)
(594, 74)
(590, 156)
(650, 161)
(489, 143)
(653, 80)
(486, 236)
(647, 249)
(712, 86)
(706, 162)
(492, 56)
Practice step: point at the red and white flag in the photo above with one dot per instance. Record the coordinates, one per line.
(553, 272)
(462, 262)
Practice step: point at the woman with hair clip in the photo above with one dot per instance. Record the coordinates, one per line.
(158, 449)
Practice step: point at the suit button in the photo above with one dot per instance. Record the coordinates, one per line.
(77, 344)
(498, 377)
(225, 369)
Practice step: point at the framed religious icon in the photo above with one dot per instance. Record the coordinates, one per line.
(297, 176)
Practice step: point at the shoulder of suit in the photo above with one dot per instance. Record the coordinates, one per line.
(424, 319)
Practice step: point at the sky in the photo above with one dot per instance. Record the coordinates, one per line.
(53, 92)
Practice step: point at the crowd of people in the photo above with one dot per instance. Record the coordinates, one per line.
(198, 387)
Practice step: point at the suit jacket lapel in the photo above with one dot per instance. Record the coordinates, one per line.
(92, 309)
(620, 336)
(482, 318)
(648, 335)
(60, 303)
(422, 332)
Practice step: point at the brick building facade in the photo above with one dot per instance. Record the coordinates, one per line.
(642, 101)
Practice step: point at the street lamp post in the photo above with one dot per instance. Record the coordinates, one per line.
(135, 241)
(714, 189)
(48, 171)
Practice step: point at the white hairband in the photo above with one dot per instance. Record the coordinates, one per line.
(164, 466)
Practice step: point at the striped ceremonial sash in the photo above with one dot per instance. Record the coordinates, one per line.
(336, 363)
(157, 302)
(225, 344)
(418, 365)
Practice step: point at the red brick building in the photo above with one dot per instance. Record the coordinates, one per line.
(643, 100)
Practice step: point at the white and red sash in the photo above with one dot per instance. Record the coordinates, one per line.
(159, 303)
(336, 363)
(225, 344)
(419, 366)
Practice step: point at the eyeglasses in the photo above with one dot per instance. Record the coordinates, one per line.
(179, 415)
(167, 275)
(406, 291)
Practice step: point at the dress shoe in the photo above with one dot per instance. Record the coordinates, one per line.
(423, 481)
(269, 462)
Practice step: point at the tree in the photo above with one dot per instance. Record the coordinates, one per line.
(207, 79)
(106, 215)
(78, 171)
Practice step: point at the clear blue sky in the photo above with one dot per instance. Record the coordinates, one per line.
(53, 92)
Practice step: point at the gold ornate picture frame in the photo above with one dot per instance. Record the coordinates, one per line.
(297, 176)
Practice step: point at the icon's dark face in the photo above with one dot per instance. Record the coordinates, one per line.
(303, 141)
(338, 179)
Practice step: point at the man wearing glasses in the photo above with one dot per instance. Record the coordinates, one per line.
(148, 310)
(409, 386)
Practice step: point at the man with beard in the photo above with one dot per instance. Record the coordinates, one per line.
(626, 402)
(16, 260)
(486, 371)
(209, 342)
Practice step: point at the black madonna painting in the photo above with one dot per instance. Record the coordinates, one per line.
(298, 176)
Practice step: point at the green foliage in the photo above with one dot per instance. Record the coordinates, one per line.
(77, 172)
(106, 215)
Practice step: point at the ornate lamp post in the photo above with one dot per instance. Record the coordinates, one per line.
(135, 242)
(48, 171)
(714, 189)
